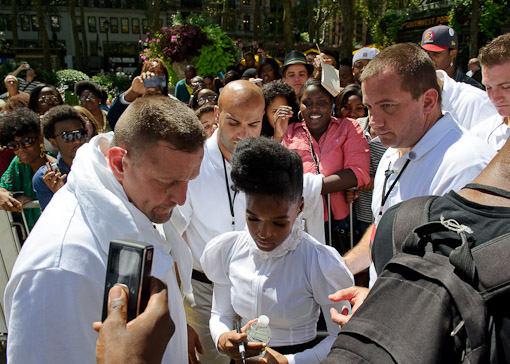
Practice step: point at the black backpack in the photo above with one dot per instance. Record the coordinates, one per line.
(429, 308)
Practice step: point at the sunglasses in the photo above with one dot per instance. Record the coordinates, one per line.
(87, 98)
(70, 136)
(49, 99)
(203, 100)
(26, 142)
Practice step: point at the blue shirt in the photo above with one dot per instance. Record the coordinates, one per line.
(42, 191)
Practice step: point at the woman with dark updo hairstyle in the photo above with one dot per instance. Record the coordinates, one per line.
(273, 267)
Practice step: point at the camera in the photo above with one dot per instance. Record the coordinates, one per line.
(130, 264)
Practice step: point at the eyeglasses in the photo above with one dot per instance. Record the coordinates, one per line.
(205, 99)
(71, 136)
(26, 142)
(195, 84)
(49, 99)
(87, 98)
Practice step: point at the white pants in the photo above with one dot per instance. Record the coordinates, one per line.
(198, 317)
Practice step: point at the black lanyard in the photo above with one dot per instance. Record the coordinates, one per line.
(387, 175)
(314, 156)
(230, 201)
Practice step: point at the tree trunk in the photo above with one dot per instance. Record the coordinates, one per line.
(224, 16)
(474, 31)
(256, 20)
(14, 10)
(152, 13)
(85, 44)
(287, 25)
(311, 21)
(77, 45)
(44, 35)
(347, 33)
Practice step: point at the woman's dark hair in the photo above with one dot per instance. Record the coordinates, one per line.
(272, 90)
(312, 82)
(333, 54)
(19, 123)
(264, 166)
(218, 84)
(33, 102)
(81, 86)
(230, 76)
(273, 64)
(343, 96)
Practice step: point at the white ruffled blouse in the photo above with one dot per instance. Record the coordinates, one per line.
(288, 284)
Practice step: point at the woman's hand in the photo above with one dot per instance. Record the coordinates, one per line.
(9, 203)
(228, 343)
(54, 180)
(270, 357)
(281, 121)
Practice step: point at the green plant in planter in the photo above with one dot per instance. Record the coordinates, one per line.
(66, 79)
(217, 56)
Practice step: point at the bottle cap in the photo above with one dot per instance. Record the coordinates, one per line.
(263, 321)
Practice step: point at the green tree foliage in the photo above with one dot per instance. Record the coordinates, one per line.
(493, 14)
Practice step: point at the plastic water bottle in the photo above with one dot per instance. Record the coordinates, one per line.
(259, 332)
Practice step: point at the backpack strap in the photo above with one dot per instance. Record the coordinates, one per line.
(468, 301)
(411, 213)
(495, 190)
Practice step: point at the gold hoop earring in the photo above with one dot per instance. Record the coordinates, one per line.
(42, 155)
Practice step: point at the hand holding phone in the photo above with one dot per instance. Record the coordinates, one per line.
(130, 264)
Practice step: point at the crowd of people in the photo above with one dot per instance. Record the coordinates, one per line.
(248, 186)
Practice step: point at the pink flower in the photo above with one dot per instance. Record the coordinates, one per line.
(139, 41)
(153, 40)
(173, 39)
(158, 40)
(148, 33)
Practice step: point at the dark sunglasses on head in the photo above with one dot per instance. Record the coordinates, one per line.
(70, 136)
(49, 99)
(203, 100)
(26, 142)
(87, 98)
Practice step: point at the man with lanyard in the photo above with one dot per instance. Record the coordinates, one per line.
(495, 59)
(213, 208)
(428, 154)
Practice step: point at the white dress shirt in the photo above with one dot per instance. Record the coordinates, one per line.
(467, 104)
(493, 131)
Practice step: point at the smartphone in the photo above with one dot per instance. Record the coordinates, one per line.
(130, 264)
(18, 194)
(52, 166)
(155, 81)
